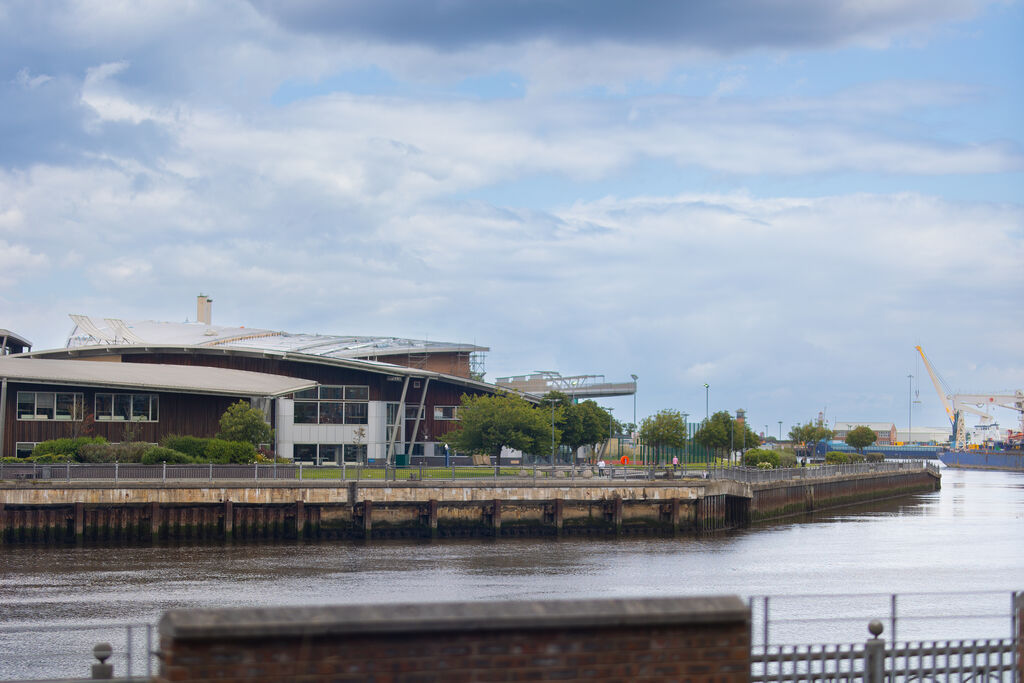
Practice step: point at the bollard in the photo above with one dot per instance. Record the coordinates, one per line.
(874, 654)
(103, 671)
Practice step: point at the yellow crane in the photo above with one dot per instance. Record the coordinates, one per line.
(943, 396)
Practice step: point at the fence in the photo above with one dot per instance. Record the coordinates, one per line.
(132, 472)
(948, 637)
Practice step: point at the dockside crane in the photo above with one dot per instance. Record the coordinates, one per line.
(971, 403)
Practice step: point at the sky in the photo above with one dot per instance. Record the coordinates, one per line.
(776, 198)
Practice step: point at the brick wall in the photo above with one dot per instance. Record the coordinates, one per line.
(670, 639)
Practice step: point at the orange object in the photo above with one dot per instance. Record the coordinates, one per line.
(624, 460)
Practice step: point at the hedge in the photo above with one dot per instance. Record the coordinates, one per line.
(155, 455)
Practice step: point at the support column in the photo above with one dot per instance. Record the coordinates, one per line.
(496, 516)
(3, 523)
(432, 517)
(300, 519)
(617, 513)
(79, 522)
(367, 519)
(229, 519)
(556, 508)
(674, 511)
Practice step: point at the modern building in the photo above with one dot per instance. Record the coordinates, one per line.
(329, 398)
(13, 343)
(885, 432)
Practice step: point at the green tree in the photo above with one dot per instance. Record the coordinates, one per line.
(809, 433)
(721, 431)
(664, 428)
(487, 423)
(240, 422)
(861, 437)
(580, 424)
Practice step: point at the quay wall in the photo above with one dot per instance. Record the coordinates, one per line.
(117, 512)
(652, 639)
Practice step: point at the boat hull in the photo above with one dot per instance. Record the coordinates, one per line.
(984, 460)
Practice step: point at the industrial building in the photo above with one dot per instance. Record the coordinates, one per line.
(329, 398)
(885, 432)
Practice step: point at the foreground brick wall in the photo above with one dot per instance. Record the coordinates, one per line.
(671, 639)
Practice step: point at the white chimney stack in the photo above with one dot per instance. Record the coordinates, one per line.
(204, 309)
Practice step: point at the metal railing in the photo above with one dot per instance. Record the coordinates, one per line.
(66, 650)
(278, 471)
(952, 637)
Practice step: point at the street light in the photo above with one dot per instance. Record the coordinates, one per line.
(635, 378)
(780, 430)
(686, 433)
(910, 407)
(707, 387)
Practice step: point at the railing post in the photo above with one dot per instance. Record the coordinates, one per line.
(163, 474)
(300, 470)
(116, 464)
(874, 654)
(68, 478)
(255, 470)
(211, 471)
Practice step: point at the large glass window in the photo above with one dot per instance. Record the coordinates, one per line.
(344, 404)
(49, 405)
(355, 454)
(446, 412)
(127, 407)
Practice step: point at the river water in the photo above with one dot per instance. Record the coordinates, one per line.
(966, 540)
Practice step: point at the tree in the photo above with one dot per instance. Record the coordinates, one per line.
(488, 423)
(240, 422)
(861, 437)
(580, 424)
(664, 428)
(721, 431)
(809, 433)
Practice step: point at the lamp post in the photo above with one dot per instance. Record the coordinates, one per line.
(636, 427)
(552, 432)
(780, 430)
(686, 435)
(707, 388)
(910, 409)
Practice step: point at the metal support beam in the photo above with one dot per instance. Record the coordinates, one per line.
(419, 414)
(399, 421)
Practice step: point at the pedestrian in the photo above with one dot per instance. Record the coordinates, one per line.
(675, 462)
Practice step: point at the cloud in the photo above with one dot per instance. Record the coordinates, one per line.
(708, 25)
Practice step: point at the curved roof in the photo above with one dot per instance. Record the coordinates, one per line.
(90, 331)
(173, 378)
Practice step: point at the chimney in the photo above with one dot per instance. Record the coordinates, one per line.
(204, 309)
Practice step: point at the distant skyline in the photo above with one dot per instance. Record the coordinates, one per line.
(778, 199)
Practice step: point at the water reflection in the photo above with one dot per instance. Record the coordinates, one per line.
(968, 536)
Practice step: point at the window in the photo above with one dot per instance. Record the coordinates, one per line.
(23, 449)
(49, 405)
(127, 407)
(446, 412)
(345, 404)
(412, 411)
(304, 452)
(392, 416)
(355, 454)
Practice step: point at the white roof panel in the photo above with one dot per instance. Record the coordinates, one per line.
(151, 376)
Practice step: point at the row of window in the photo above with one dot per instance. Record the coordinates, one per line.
(56, 405)
(329, 453)
(333, 405)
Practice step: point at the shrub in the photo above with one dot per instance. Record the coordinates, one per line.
(192, 446)
(787, 459)
(230, 452)
(155, 455)
(837, 458)
(874, 457)
(49, 458)
(113, 452)
(764, 465)
(755, 456)
(68, 449)
(856, 457)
